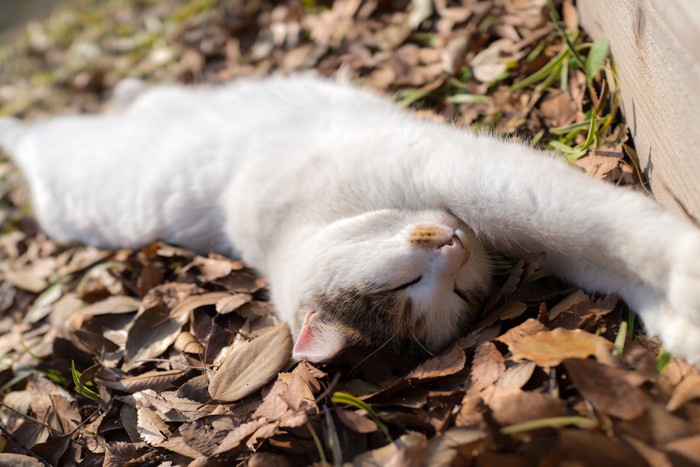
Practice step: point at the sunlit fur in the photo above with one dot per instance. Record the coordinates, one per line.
(319, 186)
(349, 269)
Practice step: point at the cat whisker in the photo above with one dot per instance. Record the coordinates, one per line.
(421, 345)
(357, 365)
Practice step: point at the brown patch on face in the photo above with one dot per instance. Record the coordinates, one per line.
(369, 318)
(378, 318)
(428, 237)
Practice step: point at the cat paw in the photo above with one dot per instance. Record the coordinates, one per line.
(679, 336)
(684, 281)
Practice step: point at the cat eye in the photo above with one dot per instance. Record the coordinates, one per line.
(406, 285)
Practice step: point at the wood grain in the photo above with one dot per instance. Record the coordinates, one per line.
(656, 46)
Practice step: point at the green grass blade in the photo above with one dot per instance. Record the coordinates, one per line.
(348, 399)
(663, 360)
(563, 130)
(631, 317)
(317, 442)
(333, 439)
(553, 422)
(567, 40)
(80, 387)
(552, 67)
(468, 99)
(619, 346)
(410, 96)
(596, 58)
(19, 377)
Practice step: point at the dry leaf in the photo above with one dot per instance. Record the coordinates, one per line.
(657, 426)
(516, 334)
(599, 166)
(581, 447)
(558, 108)
(234, 438)
(177, 444)
(550, 348)
(491, 62)
(266, 459)
(112, 305)
(151, 334)
(288, 401)
(517, 376)
(494, 459)
(527, 265)
(151, 428)
(606, 388)
(449, 362)
(653, 456)
(355, 420)
(406, 451)
(688, 389)
(569, 302)
(487, 367)
(206, 434)
(18, 460)
(242, 282)
(32, 278)
(510, 406)
(251, 365)
(453, 447)
(232, 302)
(689, 448)
(508, 310)
(192, 303)
(216, 266)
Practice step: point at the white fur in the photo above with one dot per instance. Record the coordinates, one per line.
(292, 171)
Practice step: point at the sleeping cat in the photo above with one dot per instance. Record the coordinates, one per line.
(368, 222)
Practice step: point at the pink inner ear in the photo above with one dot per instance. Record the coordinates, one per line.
(317, 341)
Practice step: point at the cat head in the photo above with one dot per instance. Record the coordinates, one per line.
(406, 279)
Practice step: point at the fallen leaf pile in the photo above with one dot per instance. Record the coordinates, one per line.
(164, 357)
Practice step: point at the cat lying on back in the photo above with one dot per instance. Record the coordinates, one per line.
(367, 221)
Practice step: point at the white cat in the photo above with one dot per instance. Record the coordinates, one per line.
(367, 220)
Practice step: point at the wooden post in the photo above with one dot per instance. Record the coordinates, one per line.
(656, 47)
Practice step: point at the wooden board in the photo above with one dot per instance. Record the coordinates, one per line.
(656, 47)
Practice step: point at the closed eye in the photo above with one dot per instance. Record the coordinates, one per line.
(406, 285)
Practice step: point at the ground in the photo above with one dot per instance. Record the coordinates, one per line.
(163, 357)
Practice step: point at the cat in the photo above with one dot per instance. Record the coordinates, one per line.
(370, 223)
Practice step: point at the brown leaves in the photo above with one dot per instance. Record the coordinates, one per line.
(447, 363)
(606, 388)
(251, 364)
(159, 332)
(511, 406)
(550, 348)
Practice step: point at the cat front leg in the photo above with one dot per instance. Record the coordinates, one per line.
(684, 280)
(598, 236)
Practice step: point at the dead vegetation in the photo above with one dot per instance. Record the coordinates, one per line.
(163, 357)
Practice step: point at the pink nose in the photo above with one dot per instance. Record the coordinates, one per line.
(453, 241)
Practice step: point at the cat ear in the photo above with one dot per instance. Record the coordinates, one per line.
(318, 341)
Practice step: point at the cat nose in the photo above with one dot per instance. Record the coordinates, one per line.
(429, 237)
(452, 241)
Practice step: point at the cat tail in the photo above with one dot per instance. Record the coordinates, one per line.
(11, 130)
